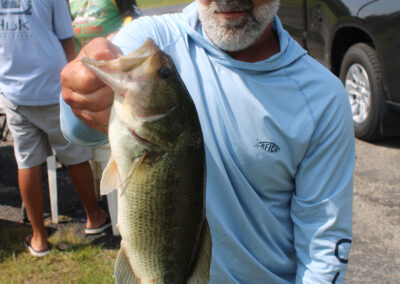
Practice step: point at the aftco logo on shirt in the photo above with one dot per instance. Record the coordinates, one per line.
(267, 146)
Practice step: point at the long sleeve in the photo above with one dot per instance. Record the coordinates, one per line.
(76, 131)
(321, 208)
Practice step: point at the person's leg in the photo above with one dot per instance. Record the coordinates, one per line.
(82, 178)
(76, 159)
(30, 186)
(30, 150)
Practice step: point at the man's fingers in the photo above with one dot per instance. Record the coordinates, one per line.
(77, 77)
(89, 98)
(100, 49)
(98, 100)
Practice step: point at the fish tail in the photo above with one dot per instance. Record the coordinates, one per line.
(123, 273)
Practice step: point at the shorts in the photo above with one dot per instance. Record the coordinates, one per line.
(36, 130)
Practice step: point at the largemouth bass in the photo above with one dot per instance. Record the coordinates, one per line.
(157, 165)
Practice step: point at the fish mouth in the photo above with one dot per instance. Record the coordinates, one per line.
(109, 71)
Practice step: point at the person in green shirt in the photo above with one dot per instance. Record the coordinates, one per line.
(99, 18)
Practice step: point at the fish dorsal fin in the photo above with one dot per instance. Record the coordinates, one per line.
(110, 178)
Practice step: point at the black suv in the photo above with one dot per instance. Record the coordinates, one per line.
(359, 41)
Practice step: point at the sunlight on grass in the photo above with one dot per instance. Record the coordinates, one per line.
(68, 234)
(73, 259)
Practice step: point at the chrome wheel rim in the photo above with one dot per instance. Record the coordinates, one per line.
(358, 89)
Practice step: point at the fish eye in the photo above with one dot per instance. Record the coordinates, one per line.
(164, 72)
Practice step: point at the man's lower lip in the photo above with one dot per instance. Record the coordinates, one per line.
(229, 15)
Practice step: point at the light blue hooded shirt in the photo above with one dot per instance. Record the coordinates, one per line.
(279, 148)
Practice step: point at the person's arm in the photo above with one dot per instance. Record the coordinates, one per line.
(76, 132)
(86, 101)
(69, 48)
(321, 207)
(62, 27)
(89, 99)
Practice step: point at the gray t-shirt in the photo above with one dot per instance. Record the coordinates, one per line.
(31, 55)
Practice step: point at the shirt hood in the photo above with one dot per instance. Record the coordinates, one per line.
(290, 50)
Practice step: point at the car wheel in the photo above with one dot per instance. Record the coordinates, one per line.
(361, 76)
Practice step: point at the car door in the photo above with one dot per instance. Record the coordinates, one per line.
(322, 17)
(292, 14)
(318, 15)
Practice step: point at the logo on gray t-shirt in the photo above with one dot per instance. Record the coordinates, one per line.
(15, 7)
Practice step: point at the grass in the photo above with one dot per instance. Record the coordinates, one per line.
(73, 259)
(158, 3)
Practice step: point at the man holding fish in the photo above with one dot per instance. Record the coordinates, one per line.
(277, 130)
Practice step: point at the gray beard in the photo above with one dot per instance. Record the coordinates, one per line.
(236, 35)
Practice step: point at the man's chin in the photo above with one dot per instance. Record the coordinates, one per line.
(232, 45)
(236, 38)
(237, 33)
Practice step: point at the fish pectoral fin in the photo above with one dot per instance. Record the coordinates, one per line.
(123, 273)
(201, 270)
(141, 160)
(135, 165)
(110, 178)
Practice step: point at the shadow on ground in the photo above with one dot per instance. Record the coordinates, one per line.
(390, 142)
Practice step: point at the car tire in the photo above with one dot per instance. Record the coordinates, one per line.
(361, 75)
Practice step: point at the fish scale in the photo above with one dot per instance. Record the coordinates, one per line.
(165, 233)
(158, 166)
